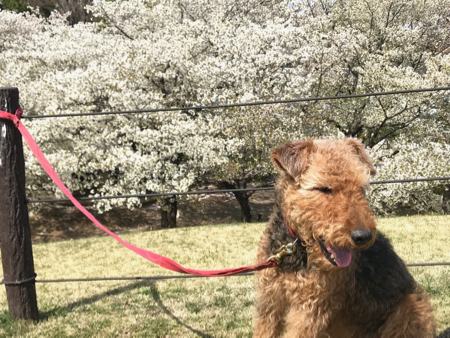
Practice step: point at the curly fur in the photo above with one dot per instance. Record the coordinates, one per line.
(321, 195)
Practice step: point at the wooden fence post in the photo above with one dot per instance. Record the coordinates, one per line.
(15, 233)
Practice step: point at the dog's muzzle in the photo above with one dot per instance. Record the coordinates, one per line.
(361, 236)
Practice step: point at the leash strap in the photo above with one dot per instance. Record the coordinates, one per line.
(162, 261)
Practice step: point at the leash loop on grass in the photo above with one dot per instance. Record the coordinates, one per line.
(162, 261)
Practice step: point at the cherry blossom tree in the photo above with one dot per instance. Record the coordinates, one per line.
(148, 54)
(374, 46)
(76, 69)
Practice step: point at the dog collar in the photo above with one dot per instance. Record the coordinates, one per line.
(290, 230)
(285, 250)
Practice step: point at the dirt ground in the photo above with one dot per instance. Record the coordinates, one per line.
(55, 222)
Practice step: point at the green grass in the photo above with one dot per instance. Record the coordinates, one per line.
(205, 307)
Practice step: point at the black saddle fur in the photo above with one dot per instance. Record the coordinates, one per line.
(381, 278)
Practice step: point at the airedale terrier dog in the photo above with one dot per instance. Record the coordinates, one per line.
(344, 278)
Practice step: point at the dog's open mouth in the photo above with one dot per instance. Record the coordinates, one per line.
(339, 257)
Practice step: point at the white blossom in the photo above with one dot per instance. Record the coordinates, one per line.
(159, 53)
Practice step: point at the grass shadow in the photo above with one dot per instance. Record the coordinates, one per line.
(157, 299)
(64, 310)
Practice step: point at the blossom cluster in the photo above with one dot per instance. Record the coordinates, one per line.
(145, 54)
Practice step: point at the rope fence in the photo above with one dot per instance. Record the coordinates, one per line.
(216, 191)
(207, 192)
(246, 104)
(195, 276)
(106, 279)
(103, 279)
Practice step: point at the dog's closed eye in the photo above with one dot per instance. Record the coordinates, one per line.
(324, 190)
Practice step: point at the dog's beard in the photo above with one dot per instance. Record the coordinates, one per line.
(317, 260)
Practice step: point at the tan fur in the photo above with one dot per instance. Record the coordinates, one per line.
(314, 301)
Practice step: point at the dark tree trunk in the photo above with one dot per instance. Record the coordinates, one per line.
(15, 233)
(445, 199)
(169, 213)
(242, 197)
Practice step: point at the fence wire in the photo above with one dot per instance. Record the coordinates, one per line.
(217, 191)
(247, 104)
(105, 279)
(204, 192)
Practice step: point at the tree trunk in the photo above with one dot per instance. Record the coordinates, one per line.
(242, 197)
(169, 213)
(446, 200)
(15, 233)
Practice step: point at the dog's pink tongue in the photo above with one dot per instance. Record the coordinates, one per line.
(343, 257)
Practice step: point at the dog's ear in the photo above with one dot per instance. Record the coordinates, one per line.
(292, 157)
(357, 145)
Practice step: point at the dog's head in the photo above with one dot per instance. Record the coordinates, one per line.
(322, 188)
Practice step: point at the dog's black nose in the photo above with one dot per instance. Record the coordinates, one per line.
(361, 236)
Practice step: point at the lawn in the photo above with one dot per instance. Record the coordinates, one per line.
(205, 307)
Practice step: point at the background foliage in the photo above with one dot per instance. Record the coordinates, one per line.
(142, 54)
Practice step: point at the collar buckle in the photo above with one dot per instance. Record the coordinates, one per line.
(285, 250)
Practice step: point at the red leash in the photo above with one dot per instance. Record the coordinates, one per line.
(162, 261)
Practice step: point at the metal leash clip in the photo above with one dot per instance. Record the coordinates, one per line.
(285, 250)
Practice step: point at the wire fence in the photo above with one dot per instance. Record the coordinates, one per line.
(125, 278)
(217, 191)
(246, 104)
(104, 279)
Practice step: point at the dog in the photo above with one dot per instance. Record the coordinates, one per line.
(342, 277)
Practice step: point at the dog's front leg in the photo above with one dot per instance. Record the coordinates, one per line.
(271, 307)
(301, 323)
(413, 318)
